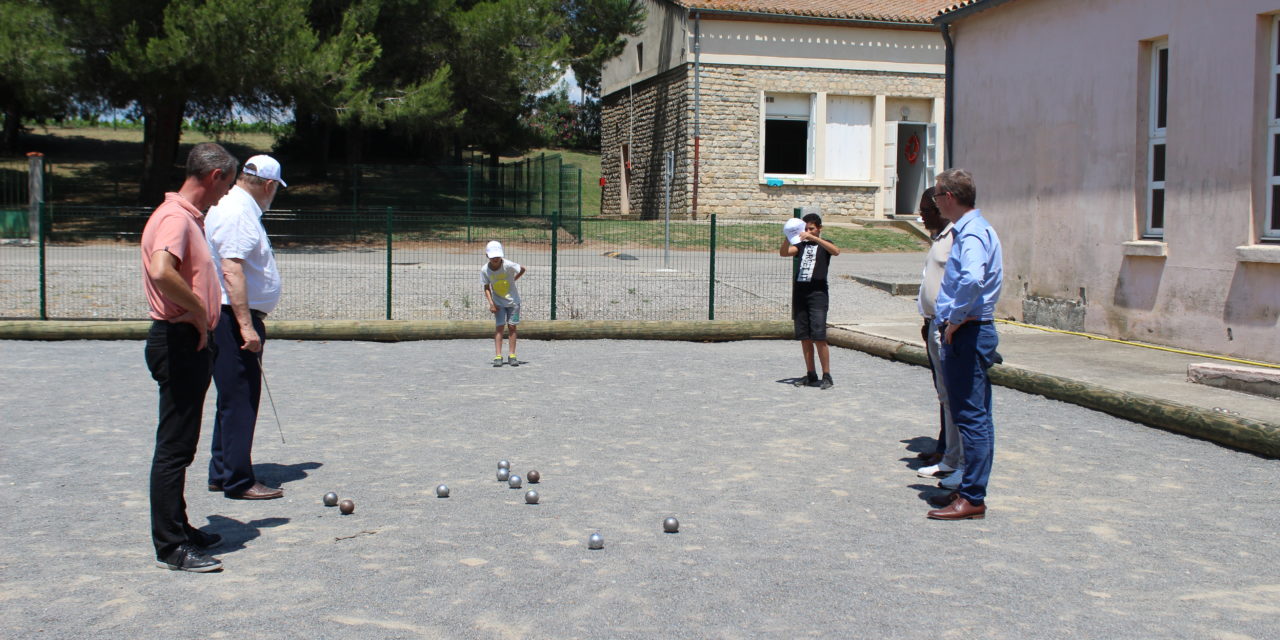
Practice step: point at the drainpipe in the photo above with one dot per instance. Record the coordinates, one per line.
(948, 108)
(697, 106)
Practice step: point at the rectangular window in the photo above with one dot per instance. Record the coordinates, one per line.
(1271, 221)
(1156, 136)
(788, 139)
(848, 138)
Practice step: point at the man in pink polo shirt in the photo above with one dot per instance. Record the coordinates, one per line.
(183, 292)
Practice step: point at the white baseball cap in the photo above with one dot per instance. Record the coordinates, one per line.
(264, 167)
(493, 249)
(792, 230)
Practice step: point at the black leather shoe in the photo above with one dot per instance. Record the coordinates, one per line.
(202, 539)
(190, 558)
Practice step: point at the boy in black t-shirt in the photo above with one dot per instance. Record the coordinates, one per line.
(809, 300)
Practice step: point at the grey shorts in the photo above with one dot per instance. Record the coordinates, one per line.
(507, 315)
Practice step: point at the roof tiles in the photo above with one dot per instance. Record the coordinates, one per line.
(915, 11)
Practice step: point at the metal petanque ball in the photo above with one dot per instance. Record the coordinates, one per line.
(346, 507)
(533, 476)
(531, 497)
(514, 482)
(671, 525)
(442, 491)
(503, 474)
(331, 499)
(503, 464)
(596, 541)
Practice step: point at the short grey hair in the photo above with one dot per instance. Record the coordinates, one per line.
(207, 156)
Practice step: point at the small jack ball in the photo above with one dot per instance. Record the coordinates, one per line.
(514, 482)
(503, 464)
(346, 507)
(531, 497)
(442, 491)
(670, 525)
(330, 499)
(533, 476)
(503, 474)
(596, 541)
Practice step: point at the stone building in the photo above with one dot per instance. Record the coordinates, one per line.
(1132, 167)
(748, 108)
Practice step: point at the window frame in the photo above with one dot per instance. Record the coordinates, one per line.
(1157, 136)
(811, 142)
(1270, 227)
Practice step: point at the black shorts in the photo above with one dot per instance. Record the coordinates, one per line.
(809, 311)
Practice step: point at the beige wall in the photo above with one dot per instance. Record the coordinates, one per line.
(665, 41)
(1047, 107)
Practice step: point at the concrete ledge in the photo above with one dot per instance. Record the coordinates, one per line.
(1259, 253)
(400, 330)
(1254, 380)
(1258, 437)
(894, 288)
(1146, 248)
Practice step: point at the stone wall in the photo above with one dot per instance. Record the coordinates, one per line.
(653, 117)
(729, 181)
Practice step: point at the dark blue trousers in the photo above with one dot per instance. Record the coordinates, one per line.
(964, 367)
(238, 376)
(182, 374)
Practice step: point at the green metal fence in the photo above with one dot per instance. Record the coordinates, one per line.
(387, 263)
(534, 186)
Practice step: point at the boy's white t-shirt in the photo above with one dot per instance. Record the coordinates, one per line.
(502, 283)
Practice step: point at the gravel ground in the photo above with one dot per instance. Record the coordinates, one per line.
(800, 513)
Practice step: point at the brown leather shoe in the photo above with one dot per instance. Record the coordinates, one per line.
(943, 499)
(259, 491)
(215, 487)
(959, 509)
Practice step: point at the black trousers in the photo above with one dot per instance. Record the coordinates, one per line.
(238, 376)
(183, 375)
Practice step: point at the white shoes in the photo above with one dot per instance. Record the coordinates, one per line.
(952, 482)
(935, 471)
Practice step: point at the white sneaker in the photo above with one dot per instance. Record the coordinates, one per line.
(952, 481)
(935, 471)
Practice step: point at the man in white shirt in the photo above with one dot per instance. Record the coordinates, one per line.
(250, 291)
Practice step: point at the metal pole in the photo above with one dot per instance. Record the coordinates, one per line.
(40, 226)
(542, 184)
(668, 168)
(389, 229)
(35, 193)
(579, 234)
(468, 204)
(555, 246)
(711, 288)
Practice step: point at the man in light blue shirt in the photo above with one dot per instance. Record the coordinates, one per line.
(966, 308)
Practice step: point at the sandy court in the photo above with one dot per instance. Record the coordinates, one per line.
(800, 514)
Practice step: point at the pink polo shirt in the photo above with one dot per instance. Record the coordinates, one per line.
(177, 226)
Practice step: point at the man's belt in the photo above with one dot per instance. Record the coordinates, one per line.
(260, 315)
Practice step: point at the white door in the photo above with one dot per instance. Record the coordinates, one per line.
(889, 181)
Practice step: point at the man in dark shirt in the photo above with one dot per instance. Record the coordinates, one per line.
(809, 299)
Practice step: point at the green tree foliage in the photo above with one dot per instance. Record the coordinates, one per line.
(36, 66)
(178, 58)
(594, 28)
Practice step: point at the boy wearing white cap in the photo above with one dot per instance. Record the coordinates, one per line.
(809, 302)
(499, 277)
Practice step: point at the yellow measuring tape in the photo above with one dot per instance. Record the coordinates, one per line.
(1139, 344)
